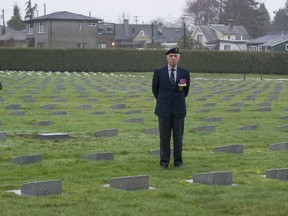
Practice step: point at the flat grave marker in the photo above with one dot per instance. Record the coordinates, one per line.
(209, 128)
(49, 106)
(53, 136)
(40, 188)
(42, 123)
(283, 127)
(213, 119)
(57, 113)
(264, 109)
(98, 113)
(283, 117)
(235, 110)
(85, 107)
(106, 133)
(152, 131)
(17, 113)
(130, 183)
(279, 146)
(118, 106)
(133, 112)
(213, 178)
(249, 127)
(99, 156)
(26, 159)
(13, 107)
(280, 174)
(134, 120)
(3, 135)
(236, 149)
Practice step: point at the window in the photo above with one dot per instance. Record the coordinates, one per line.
(92, 24)
(30, 29)
(40, 44)
(106, 28)
(102, 45)
(227, 47)
(253, 48)
(40, 27)
(81, 45)
(141, 33)
(229, 37)
(200, 38)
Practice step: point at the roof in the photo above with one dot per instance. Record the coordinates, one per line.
(64, 15)
(271, 39)
(209, 32)
(13, 34)
(168, 35)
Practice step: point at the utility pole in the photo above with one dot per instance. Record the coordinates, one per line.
(3, 28)
(184, 33)
(152, 34)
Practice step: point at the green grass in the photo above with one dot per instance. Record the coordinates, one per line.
(83, 181)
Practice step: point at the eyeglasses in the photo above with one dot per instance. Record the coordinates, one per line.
(173, 55)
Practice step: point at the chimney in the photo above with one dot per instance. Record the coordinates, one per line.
(160, 27)
(126, 27)
(231, 22)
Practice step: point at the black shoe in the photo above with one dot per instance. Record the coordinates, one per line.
(179, 166)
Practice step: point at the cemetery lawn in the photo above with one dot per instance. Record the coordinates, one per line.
(88, 102)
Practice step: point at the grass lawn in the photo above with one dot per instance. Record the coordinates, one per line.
(87, 101)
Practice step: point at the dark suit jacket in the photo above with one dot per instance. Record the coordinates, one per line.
(170, 97)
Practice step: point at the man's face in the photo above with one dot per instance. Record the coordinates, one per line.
(173, 59)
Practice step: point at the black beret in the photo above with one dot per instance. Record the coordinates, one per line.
(172, 50)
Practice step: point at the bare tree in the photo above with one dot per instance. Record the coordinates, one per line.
(122, 17)
(203, 11)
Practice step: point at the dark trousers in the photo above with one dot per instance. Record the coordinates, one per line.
(167, 125)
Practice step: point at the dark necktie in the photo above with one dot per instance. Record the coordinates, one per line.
(172, 76)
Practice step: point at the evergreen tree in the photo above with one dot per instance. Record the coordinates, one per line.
(264, 21)
(16, 22)
(244, 12)
(280, 22)
(30, 10)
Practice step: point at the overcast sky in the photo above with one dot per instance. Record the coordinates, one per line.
(111, 10)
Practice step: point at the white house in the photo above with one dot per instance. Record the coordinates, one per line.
(221, 37)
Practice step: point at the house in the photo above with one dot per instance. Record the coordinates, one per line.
(145, 35)
(69, 30)
(275, 41)
(221, 37)
(12, 38)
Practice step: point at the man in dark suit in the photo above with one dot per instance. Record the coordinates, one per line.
(170, 86)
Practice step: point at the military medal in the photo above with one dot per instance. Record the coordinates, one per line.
(182, 84)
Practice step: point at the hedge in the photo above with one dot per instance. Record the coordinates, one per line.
(132, 60)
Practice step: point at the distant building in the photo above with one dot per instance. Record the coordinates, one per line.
(275, 41)
(69, 30)
(145, 35)
(12, 38)
(221, 37)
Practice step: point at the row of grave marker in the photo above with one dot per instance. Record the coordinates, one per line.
(132, 183)
(114, 132)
